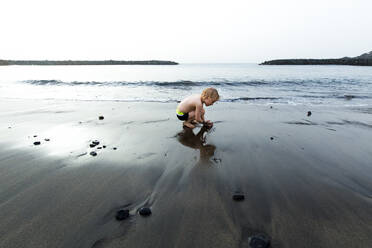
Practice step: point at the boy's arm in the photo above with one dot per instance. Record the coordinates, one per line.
(198, 113)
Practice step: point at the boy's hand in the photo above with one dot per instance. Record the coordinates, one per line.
(208, 123)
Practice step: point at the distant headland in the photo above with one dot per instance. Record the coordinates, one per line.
(85, 62)
(362, 60)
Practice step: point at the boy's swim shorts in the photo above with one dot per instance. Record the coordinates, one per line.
(182, 116)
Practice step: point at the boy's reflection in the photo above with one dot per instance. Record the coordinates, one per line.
(188, 138)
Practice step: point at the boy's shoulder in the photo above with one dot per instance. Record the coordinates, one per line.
(196, 99)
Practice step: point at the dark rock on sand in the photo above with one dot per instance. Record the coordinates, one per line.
(308, 113)
(349, 97)
(92, 145)
(104, 146)
(93, 153)
(35, 136)
(101, 117)
(99, 147)
(36, 143)
(271, 138)
(259, 241)
(47, 139)
(145, 211)
(114, 148)
(122, 214)
(238, 197)
(96, 142)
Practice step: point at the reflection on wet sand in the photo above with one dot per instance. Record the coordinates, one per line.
(197, 141)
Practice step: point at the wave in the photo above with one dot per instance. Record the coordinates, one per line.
(346, 97)
(145, 83)
(188, 83)
(243, 99)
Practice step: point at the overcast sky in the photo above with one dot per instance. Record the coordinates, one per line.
(184, 30)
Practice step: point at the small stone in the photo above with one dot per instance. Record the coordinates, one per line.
(36, 143)
(96, 142)
(271, 107)
(145, 211)
(104, 146)
(99, 147)
(93, 153)
(308, 113)
(101, 117)
(122, 214)
(271, 138)
(238, 197)
(92, 145)
(35, 136)
(9, 127)
(47, 139)
(114, 148)
(259, 241)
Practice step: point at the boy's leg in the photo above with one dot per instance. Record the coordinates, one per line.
(191, 118)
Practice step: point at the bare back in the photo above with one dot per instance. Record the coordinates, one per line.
(190, 104)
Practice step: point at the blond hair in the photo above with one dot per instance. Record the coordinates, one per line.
(212, 93)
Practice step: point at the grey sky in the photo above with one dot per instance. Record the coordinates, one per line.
(184, 31)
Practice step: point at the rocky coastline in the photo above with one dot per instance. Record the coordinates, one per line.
(362, 60)
(85, 62)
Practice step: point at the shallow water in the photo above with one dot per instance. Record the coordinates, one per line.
(250, 83)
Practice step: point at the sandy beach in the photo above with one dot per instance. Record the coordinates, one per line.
(307, 180)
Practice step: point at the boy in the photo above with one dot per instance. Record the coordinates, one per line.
(191, 111)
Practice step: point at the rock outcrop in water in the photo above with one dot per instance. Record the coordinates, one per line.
(363, 60)
(85, 62)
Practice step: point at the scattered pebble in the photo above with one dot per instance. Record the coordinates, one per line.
(271, 138)
(47, 139)
(308, 113)
(81, 154)
(104, 146)
(96, 142)
(99, 147)
(238, 197)
(145, 211)
(101, 117)
(92, 145)
(35, 136)
(349, 97)
(259, 241)
(122, 214)
(9, 127)
(93, 153)
(36, 143)
(114, 148)
(271, 107)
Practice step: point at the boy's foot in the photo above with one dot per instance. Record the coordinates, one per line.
(188, 124)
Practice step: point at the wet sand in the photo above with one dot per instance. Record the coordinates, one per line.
(307, 181)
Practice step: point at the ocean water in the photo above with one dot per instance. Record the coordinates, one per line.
(249, 83)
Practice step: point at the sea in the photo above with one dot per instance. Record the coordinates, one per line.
(247, 83)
